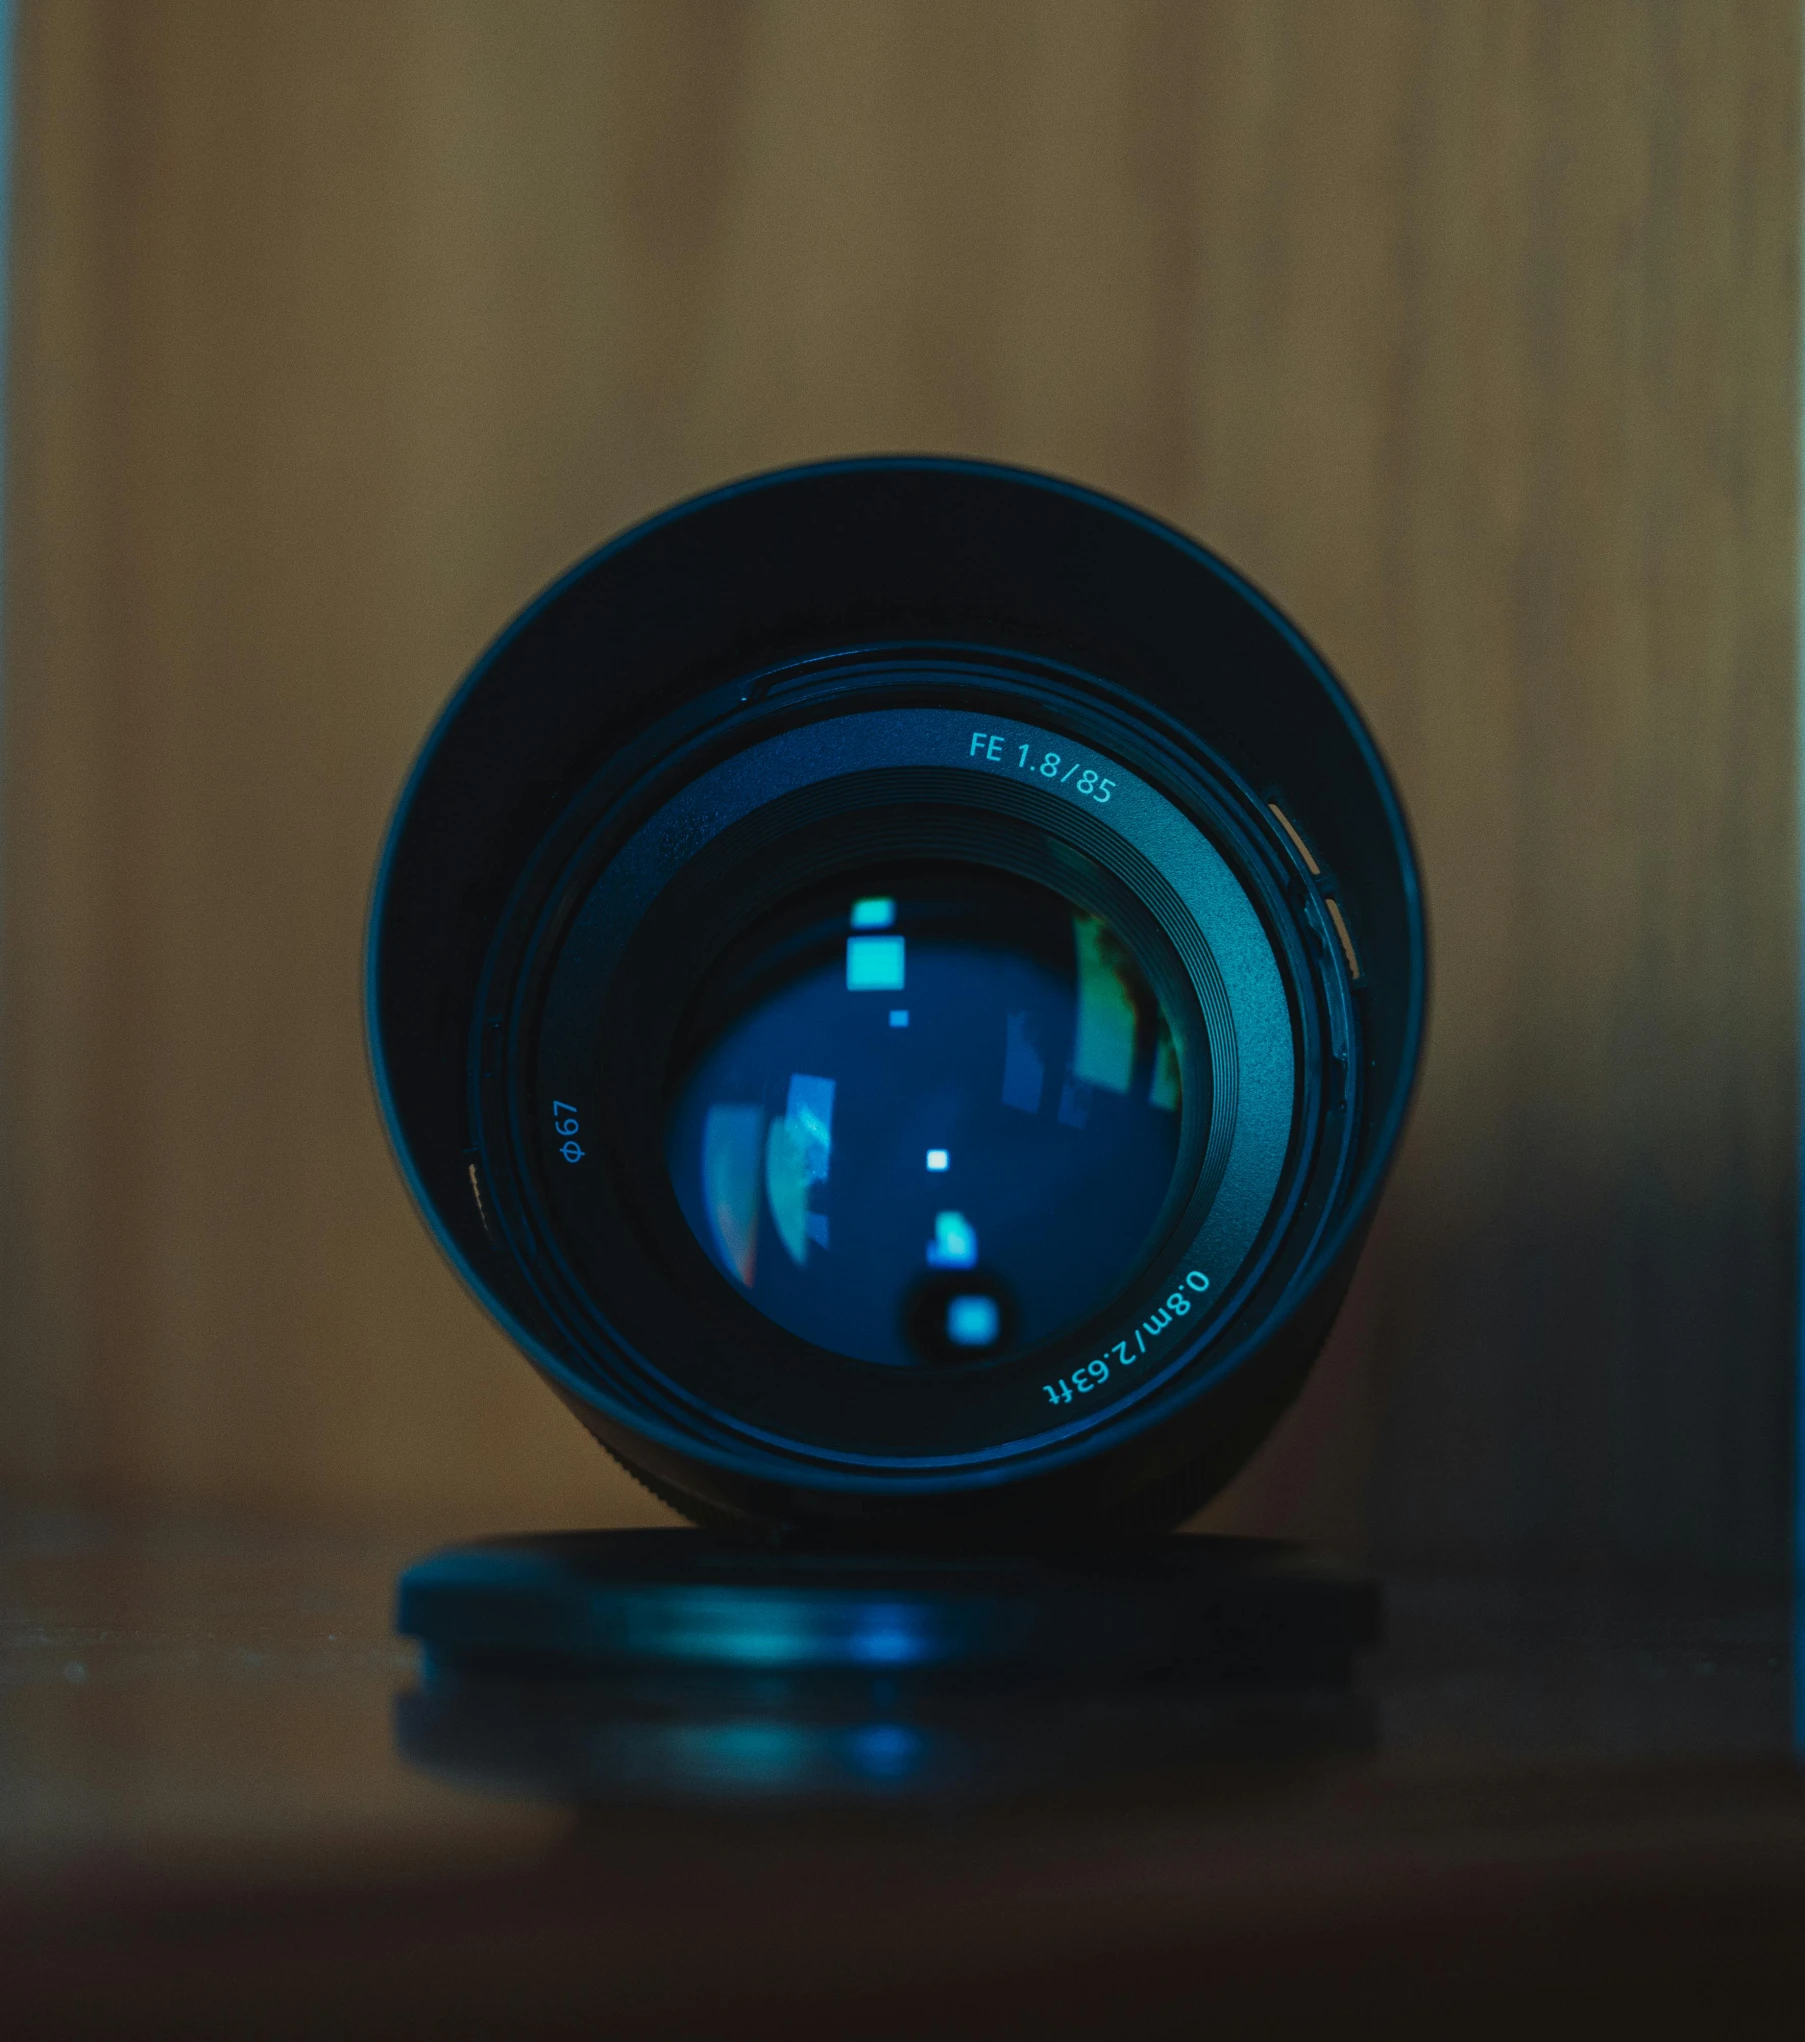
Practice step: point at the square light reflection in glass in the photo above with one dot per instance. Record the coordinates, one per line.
(972, 1321)
(875, 964)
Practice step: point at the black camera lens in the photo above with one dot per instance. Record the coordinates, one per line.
(898, 983)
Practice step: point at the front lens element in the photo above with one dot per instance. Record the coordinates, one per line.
(926, 1115)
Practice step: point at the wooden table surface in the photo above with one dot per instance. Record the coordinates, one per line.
(228, 1806)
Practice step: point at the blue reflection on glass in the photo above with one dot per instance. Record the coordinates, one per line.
(1032, 1047)
(973, 1321)
(875, 964)
(1024, 1072)
(955, 1242)
(798, 1156)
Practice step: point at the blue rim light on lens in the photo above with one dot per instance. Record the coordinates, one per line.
(777, 1628)
(753, 1626)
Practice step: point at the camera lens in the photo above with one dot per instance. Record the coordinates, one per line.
(898, 984)
(932, 1114)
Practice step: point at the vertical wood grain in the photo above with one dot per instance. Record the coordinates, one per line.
(1468, 330)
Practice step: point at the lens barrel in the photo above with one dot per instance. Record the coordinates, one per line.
(898, 983)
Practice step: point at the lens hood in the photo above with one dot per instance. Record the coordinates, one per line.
(898, 983)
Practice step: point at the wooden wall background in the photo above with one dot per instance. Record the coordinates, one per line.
(1469, 330)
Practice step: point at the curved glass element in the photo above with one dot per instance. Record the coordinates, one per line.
(928, 1116)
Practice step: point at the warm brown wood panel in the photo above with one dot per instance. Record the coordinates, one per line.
(1469, 331)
